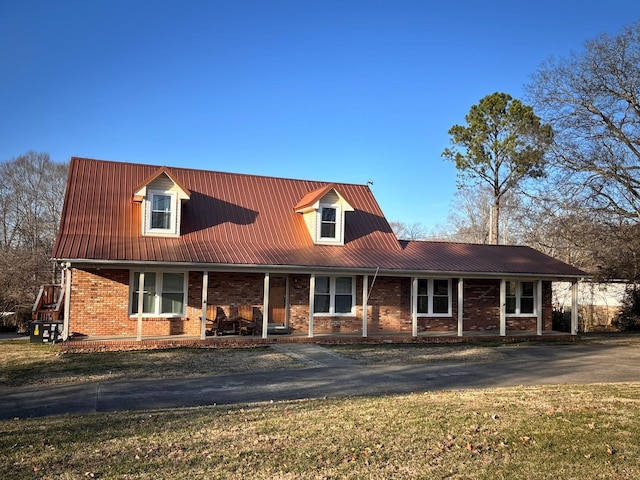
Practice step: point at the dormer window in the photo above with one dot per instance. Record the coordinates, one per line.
(161, 196)
(324, 211)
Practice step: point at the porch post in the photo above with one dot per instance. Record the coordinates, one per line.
(312, 289)
(140, 304)
(205, 287)
(574, 308)
(265, 306)
(539, 305)
(67, 302)
(503, 306)
(414, 306)
(460, 306)
(365, 307)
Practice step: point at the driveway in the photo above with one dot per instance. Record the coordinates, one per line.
(329, 375)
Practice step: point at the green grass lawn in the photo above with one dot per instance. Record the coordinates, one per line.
(552, 432)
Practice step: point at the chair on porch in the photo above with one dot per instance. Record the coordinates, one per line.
(218, 323)
(249, 319)
(211, 324)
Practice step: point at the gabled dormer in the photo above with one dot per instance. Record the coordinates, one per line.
(324, 211)
(161, 197)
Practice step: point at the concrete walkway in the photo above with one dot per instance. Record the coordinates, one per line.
(331, 376)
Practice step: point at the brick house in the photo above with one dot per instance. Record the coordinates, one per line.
(150, 250)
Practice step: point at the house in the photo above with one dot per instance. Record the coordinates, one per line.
(151, 250)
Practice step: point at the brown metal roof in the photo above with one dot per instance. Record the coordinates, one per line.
(250, 220)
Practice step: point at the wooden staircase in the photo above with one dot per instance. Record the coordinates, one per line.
(49, 305)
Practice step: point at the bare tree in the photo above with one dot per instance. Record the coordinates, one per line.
(592, 99)
(471, 216)
(31, 197)
(408, 231)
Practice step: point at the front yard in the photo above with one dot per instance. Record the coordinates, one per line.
(579, 432)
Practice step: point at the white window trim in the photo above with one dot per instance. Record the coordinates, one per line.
(430, 297)
(148, 206)
(158, 296)
(339, 237)
(332, 297)
(518, 298)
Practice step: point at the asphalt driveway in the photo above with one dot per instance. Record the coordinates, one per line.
(329, 375)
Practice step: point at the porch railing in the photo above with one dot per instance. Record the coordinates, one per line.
(49, 304)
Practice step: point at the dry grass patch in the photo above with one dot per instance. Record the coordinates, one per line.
(23, 363)
(515, 433)
(405, 354)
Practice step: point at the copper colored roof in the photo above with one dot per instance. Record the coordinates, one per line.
(237, 219)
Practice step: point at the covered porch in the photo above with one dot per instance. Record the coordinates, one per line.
(302, 304)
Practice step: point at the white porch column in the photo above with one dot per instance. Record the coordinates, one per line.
(265, 306)
(539, 306)
(414, 306)
(67, 302)
(203, 323)
(140, 304)
(574, 308)
(503, 307)
(365, 306)
(460, 306)
(312, 290)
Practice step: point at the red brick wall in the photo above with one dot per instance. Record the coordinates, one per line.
(100, 305)
(481, 305)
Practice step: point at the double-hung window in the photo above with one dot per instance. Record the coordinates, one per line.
(520, 298)
(163, 294)
(328, 223)
(433, 297)
(334, 295)
(161, 214)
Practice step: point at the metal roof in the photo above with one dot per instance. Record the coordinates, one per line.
(238, 219)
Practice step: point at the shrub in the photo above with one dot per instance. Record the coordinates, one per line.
(629, 316)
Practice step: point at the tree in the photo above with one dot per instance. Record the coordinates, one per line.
(470, 216)
(592, 98)
(503, 144)
(408, 231)
(31, 197)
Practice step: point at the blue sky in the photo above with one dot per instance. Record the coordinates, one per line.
(344, 91)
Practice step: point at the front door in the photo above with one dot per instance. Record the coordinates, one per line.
(277, 299)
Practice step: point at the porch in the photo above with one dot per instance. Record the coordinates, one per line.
(273, 307)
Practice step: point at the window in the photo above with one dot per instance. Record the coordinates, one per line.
(334, 295)
(163, 294)
(328, 223)
(434, 296)
(161, 212)
(520, 299)
(161, 215)
(148, 293)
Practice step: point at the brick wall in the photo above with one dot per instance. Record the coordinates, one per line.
(100, 305)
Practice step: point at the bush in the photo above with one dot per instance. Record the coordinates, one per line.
(629, 316)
